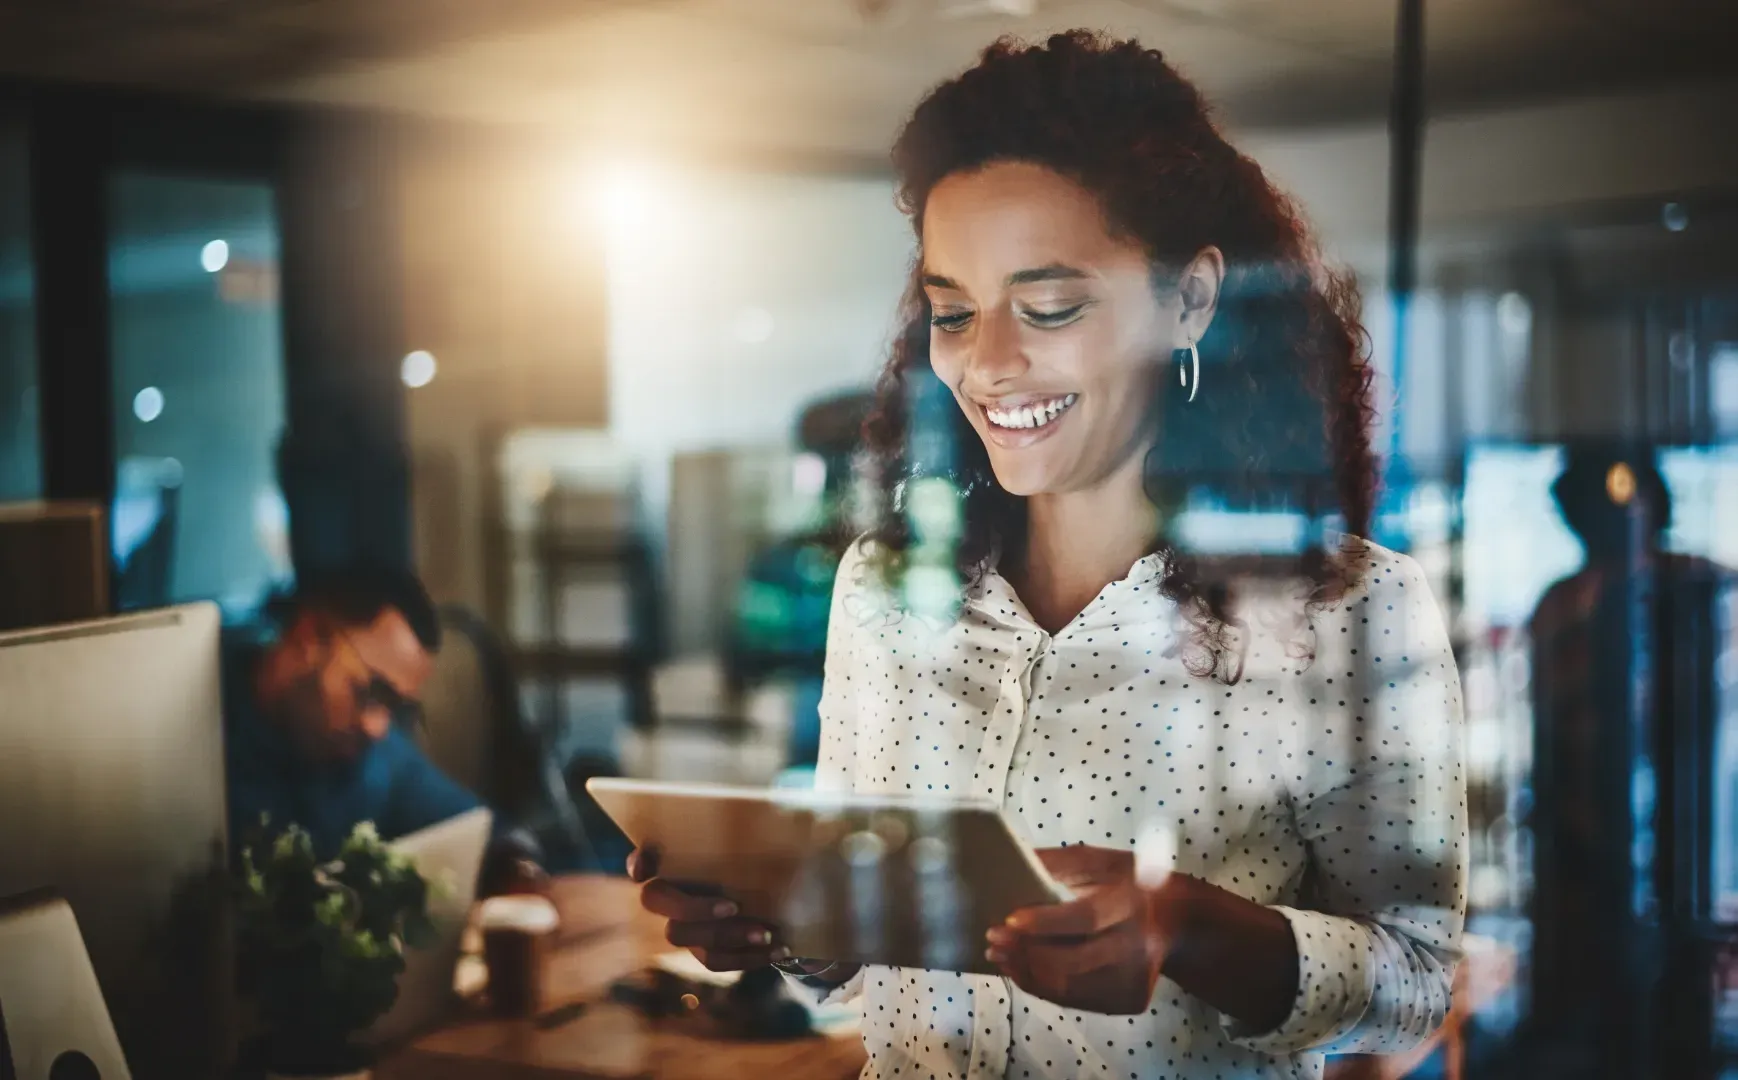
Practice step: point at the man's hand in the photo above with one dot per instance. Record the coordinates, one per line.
(510, 868)
(1102, 952)
(519, 877)
(707, 926)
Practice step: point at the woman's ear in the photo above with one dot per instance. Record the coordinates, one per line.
(1198, 288)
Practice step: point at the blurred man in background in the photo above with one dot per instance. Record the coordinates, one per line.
(1623, 689)
(321, 721)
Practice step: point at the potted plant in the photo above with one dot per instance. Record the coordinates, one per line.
(321, 946)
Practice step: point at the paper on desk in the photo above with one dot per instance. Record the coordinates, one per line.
(837, 1019)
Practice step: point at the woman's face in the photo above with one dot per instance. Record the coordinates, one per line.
(1045, 326)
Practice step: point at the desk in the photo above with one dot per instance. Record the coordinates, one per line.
(605, 935)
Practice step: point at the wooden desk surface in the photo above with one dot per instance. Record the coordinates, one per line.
(605, 935)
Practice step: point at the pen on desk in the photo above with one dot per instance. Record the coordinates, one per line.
(555, 1018)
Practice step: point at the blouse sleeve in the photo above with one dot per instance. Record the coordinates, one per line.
(1379, 797)
(836, 767)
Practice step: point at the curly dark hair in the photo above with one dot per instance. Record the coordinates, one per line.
(1284, 414)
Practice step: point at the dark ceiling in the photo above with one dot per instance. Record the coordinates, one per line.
(819, 73)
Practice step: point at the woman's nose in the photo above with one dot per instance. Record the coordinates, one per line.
(996, 356)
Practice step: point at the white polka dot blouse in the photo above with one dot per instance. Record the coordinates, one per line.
(1325, 780)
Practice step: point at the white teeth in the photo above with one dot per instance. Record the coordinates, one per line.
(1030, 416)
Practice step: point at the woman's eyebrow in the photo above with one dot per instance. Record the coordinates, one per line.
(1052, 272)
(937, 281)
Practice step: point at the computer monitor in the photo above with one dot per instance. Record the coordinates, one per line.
(112, 794)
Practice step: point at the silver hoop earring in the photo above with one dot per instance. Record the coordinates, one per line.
(1184, 371)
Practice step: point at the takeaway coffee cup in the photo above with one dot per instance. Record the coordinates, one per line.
(517, 934)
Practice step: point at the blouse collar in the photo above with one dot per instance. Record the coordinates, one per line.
(1133, 598)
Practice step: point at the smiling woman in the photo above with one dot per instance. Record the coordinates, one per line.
(1046, 326)
(1254, 793)
(1085, 230)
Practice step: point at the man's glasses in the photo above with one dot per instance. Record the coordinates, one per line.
(405, 712)
(377, 691)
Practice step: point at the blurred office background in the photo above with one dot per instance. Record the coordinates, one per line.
(574, 307)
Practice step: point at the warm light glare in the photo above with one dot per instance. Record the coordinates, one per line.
(622, 196)
(1620, 484)
(214, 256)
(148, 404)
(418, 369)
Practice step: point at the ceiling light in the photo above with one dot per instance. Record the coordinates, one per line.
(418, 369)
(214, 256)
(969, 9)
(148, 404)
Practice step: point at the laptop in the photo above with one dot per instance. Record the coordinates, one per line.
(448, 856)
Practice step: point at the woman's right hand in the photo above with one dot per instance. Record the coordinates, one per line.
(710, 927)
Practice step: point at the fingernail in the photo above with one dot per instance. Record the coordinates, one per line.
(995, 956)
(759, 937)
(997, 935)
(724, 909)
(781, 953)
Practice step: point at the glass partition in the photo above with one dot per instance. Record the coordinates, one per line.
(198, 392)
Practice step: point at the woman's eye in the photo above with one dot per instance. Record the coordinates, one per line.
(950, 322)
(1050, 320)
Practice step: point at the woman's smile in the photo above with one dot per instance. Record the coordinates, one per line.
(1017, 422)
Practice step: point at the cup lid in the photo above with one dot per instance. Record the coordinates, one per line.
(528, 914)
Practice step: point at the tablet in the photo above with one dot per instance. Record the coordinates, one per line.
(851, 877)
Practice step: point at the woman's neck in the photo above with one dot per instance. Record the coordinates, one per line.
(1078, 542)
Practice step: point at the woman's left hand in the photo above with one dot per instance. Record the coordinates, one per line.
(1103, 951)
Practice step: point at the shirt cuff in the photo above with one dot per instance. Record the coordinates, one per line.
(1335, 985)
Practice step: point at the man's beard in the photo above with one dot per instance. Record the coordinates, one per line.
(300, 712)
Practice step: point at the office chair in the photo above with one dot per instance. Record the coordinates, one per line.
(475, 730)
